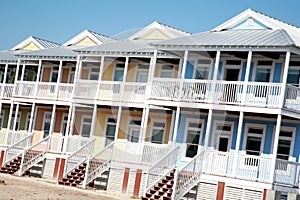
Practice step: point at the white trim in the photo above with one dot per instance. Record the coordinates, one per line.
(230, 66)
(225, 134)
(198, 65)
(246, 134)
(2, 115)
(161, 69)
(27, 121)
(108, 123)
(44, 118)
(164, 129)
(139, 71)
(114, 71)
(80, 37)
(62, 122)
(131, 127)
(263, 67)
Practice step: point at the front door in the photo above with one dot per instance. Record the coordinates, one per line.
(229, 94)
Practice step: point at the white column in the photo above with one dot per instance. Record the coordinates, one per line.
(9, 121)
(208, 127)
(66, 137)
(23, 72)
(182, 74)
(172, 127)
(16, 75)
(176, 124)
(52, 120)
(238, 143)
(124, 78)
(94, 121)
(37, 78)
(284, 78)
(100, 78)
(31, 117)
(144, 124)
(16, 116)
(151, 74)
(72, 122)
(59, 75)
(4, 80)
(180, 68)
(215, 76)
(246, 80)
(118, 122)
(275, 148)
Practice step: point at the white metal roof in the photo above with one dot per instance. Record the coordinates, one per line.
(41, 43)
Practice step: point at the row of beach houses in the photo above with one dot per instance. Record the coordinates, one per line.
(162, 114)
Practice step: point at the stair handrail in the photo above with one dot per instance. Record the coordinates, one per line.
(185, 178)
(25, 164)
(93, 168)
(163, 167)
(82, 157)
(16, 149)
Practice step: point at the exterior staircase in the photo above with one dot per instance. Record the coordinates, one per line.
(75, 177)
(163, 189)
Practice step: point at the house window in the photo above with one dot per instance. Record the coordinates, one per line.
(86, 125)
(223, 132)
(46, 123)
(293, 77)
(254, 140)
(94, 73)
(72, 75)
(54, 75)
(166, 71)
(1, 118)
(133, 133)
(202, 69)
(263, 71)
(110, 130)
(158, 131)
(285, 144)
(142, 73)
(28, 122)
(193, 135)
(119, 72)
(64, 123)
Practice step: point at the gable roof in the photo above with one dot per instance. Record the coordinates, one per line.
(169, 31)
(39, 42)
(270, 22)
(232, 39)
(96, 37)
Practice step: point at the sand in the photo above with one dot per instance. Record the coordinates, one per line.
(27, 188)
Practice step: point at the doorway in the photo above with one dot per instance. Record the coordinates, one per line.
(230, 90)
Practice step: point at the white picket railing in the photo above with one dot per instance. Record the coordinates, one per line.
(161, 168)
(98, 163)
(7, 90)
(79, 156)
(15, 136)
(75, 141)
(16, 149)
(85, 89)
(139, 153)
(56, 144)
(34, 154)
(25, 89)
(187, 176)
(110, 90)
(228, 92)
(65, 91)
(292, 97)
(287, 173)
(196, 90)
(165, 89)
(134, 92)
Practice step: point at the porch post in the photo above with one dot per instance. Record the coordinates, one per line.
(144, 124)
(94, 121)
(215, 76)
(118, 122)
(52, 120)
(66, 137)
(4, 80)
(99, 78)
(124, 78)
(176, 124)
(72, 120)
(172, 126)
(16, 116)
(23, 72)
(151, 74)
(78, 69)
(284, 79)
(9, 121)
(58, 79)
(31, 117)
(37, 78)
(185, 58)
(275, 148)
(16, 75)
(238, 143)
(208, 127)
(246, 80)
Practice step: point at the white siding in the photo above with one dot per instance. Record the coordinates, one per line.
(115, 180)
(49, 168)
(207, 191)
(143, 184)
(237, 193)
(131, 181)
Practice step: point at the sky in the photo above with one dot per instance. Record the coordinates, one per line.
(60, 20)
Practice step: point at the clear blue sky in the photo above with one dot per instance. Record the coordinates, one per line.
(60, 20)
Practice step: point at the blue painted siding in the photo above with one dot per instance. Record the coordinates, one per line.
(251, 72)
(220, 68)
(244, 25)
(243, 71)
(189, 70)
(296, 151)
(277, 72)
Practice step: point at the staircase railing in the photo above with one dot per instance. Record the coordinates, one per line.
(161, 168)
(78, 157)
(98, 163)
(16, 149)
(188, 176)
(34, 154)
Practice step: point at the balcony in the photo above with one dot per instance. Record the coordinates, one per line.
(131, 92)
(43, 90)
(6, 90)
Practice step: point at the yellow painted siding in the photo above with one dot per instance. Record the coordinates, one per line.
(156, 34)
(131, 73)
(87, 41)
(78, 119)
(108, 72)
(125, 117)
(30, 47)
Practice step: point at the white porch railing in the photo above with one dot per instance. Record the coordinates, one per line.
(16, 149)
(86, 89)
(196, 90)
(34, 154)
(75, 141)
(7, 90)
(79, 156)
(139, 153)
(165, 89)
(110, 90)
(287, 173)
(15, 136)
(43, 90)
(292, 97)
(161, 168)
(249, 167)
(56, 144)
(98, 163)
(134, 92)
